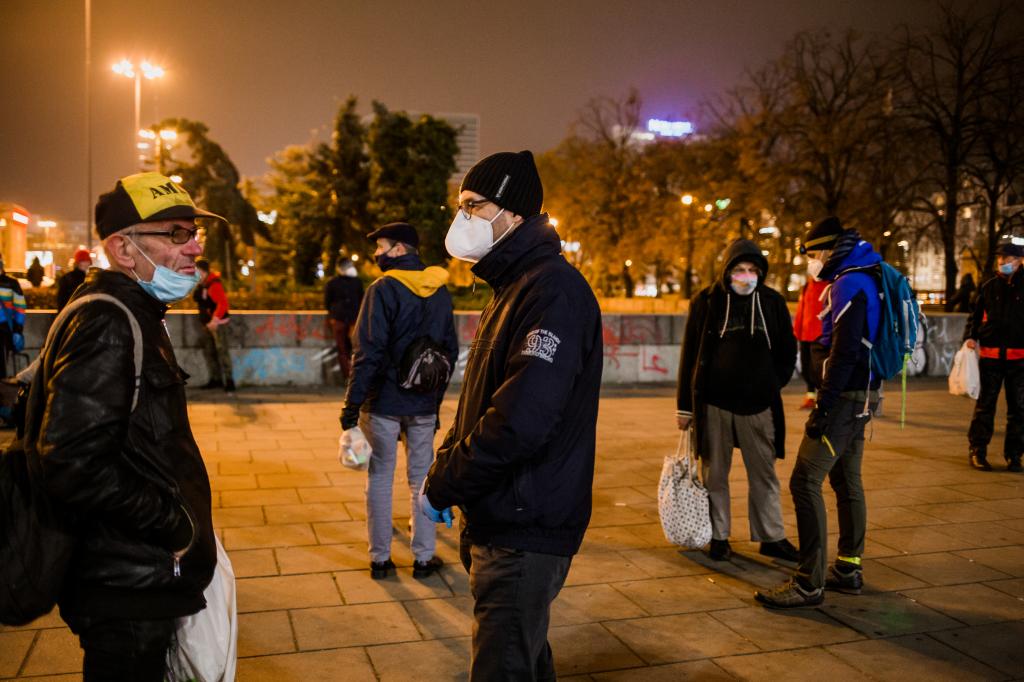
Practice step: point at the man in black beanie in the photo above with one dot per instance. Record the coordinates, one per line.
(519, 460)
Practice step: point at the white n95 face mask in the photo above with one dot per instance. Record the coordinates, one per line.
(470, 239)
(814, 267)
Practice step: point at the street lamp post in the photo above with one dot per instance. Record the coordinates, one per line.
(146, 70)
(687, 200)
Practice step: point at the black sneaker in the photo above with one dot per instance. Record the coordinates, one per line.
(979, 459)
(425, 569)
(781, 549)
(1013, 464)
(381, 569)
(848, 579)
(790, 595)
(720, 550)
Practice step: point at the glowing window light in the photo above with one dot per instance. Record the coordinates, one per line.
(669, 128)
(19, 218)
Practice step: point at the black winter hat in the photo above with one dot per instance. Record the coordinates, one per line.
(510, 180)
(1010, 246)
(823, 236)
(396, 232)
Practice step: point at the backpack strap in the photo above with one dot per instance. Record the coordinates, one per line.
(26, 375)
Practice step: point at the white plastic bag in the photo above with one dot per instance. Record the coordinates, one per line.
(964, 376)
(353, 449)
(206, 643)
(682, 500)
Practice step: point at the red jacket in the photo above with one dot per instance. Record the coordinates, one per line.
(806, 324)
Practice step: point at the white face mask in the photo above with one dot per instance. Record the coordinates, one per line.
(470, 239)
(814, 267)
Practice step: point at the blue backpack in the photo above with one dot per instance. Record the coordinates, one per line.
(897, 328)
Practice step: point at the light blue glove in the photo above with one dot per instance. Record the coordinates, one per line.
(428, 510)
(19, 342)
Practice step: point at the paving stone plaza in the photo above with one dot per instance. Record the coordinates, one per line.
(944, 565)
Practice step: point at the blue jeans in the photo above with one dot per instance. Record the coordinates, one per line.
(383, 433)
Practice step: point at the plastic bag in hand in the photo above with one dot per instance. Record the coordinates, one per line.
(353, 449)
(965, 376)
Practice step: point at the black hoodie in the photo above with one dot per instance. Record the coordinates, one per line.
(738, 351)
(519, 459)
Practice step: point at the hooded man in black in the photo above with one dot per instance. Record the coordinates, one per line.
(519, 460)
(738, 352)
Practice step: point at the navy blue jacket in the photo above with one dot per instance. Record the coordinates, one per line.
(852, 313)
(409, 301)
(519, 459)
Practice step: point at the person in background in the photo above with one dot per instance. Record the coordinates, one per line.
(12, 319)
(833, 442)
(409, 301)
(35, 272)
(343, 295)
(73, 278)
(963, 300)
(996, 329)
(807, 327)
(214, 316)
(738, 353)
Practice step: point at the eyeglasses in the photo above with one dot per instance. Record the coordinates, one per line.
(178, 235)
(469, 205)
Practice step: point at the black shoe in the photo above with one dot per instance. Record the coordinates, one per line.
(979, 459)
(1013, 464)
(781, 549)
(230, 386)
(381, 569)
(212, 383)
(790, 595)
(844, 577)
(425, 569)
(720, 550)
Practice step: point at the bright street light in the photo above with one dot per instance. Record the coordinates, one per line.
(176, 179)
(708, 208)
(687, 199)
(146, 70)
(553, 221)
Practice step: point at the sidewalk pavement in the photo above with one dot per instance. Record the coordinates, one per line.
(944, 564)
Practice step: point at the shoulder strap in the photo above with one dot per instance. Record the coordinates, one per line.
(27, 373)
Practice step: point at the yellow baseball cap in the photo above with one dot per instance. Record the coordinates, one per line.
(144, 198)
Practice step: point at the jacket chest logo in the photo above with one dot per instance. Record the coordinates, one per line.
(540, 343)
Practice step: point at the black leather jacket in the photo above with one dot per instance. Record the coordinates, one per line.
(133, 483)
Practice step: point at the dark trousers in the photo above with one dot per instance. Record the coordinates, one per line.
(807, 365)
(343, 341)
(993, 374)
(512, 592)
(125, 650)
(815, 460)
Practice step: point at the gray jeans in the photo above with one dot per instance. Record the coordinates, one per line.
(512, 593)
(754, 435)
(383, 432)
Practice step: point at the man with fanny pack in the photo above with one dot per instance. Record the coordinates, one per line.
(407, 303)
(996, 329)
(833, 443)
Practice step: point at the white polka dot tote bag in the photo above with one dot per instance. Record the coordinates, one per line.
(682, 500)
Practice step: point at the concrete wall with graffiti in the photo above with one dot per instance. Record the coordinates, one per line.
(297, 348)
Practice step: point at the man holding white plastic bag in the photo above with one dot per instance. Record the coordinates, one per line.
(400, 309)
(117, 454)
(996, 329)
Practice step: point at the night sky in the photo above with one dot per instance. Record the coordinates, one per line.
(263, 74)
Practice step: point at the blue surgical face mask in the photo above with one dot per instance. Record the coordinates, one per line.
(167, 286)
(1007, 269)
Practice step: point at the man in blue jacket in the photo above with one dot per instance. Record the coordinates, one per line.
(408, 302)
(833, 443)
(519, 460)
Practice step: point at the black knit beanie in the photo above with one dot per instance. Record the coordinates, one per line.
(823, 236)
(510, 180)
